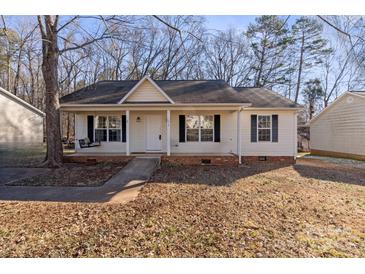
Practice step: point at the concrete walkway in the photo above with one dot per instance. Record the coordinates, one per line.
(122, 187)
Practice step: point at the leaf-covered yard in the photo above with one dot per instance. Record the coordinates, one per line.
(311, 209)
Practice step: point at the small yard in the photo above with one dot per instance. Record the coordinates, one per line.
(312, 209)
(73, 175)
(27, 156)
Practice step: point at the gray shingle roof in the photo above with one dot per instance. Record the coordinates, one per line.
(264, 98)
(181, 92)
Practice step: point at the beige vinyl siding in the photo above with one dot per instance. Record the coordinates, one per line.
(286, 145)
(18, 124)
(341, 128)
(146, 92)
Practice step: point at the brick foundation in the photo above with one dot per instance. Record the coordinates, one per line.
(229, 160)
(249, 160)
(96, 158)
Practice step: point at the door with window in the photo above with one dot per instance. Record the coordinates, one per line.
(154, 132)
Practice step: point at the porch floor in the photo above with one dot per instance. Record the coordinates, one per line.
(146, 154)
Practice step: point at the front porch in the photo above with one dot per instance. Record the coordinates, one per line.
(211, 132)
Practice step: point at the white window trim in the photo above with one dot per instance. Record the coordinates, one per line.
(107, 128)
(257, 128)
(199, 129)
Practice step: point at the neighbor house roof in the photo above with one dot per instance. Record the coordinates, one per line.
(361, 93)
(21, 102)
(265, 98)
(180, 92)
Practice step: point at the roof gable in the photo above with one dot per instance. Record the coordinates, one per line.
(346, 94)
(21, 102)
(146, 91)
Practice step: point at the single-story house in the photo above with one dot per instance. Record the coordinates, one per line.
(21, 124)
(339, 130)
(185, 121)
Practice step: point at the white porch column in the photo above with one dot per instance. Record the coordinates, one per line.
(168, 129)
(239, 137)
(127, 133)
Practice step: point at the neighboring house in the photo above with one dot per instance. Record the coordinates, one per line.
(339, 130)
(185, 121)
(21, 124)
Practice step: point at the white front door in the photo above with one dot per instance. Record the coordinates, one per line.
(154, 132)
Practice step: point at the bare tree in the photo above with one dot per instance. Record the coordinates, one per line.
(229, 58)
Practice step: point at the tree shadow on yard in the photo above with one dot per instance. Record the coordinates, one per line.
(330, 172)
(210, 175)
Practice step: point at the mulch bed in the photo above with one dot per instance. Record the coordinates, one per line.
(311, 209)
(74, 175)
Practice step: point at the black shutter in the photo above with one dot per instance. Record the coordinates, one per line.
(253, 128)
(181, 128)
(275, 128)
(217, 128)
(90, 128)
(124, 128)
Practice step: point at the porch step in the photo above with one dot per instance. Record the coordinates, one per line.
(154, 159)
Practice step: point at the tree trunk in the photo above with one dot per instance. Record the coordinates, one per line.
(262, 60)
(311, 110)
(299, 71)
(50, 74)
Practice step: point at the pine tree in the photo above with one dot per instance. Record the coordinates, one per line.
(312, 93)
(269, 39)
(311, 48)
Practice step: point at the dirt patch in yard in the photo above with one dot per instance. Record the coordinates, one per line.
(73, 175)
(265, 211)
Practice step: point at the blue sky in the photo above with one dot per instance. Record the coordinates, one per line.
(223, 22)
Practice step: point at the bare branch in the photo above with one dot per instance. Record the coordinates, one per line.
(68, 23)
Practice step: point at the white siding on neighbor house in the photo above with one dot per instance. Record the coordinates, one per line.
(18, 124)
(81, 133)
(286, 145)
(146, 92)
(341, 128)
(228, 144)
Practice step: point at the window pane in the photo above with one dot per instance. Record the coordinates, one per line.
(100, 135)
(264, 134)
(114, 121)
(192, 135)
(206, 121)
(206, 135)
(114, 135)
(192, 121)
(264, 121)
(100, 121)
